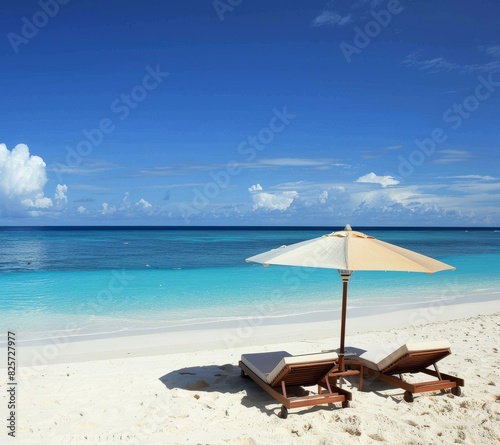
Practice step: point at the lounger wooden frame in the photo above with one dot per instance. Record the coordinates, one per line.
(299, 375)
(416, 362)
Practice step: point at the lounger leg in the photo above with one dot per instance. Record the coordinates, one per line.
(437, 371)
(283, 388)
(328, 384)
(284, 412)
(408, 396)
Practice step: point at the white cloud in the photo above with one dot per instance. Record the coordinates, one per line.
(438, 202)
(125, 201)
(277, 201)
(294, 162)
(440, 64)
(271, 201)
(255, 188)
(323, 197)
(372, 200)
(85, 167)
(331, 18)
(106, 209)
(493, 50)
(82, 210)
(22, 181)
(259, 164)
(60, 195)
(451, 156)
(38, 202)
(483, 178)
(471, 187)
(144, 204)
(372, 178)
(381, 205)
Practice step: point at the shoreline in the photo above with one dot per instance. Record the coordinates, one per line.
(250, 331)
(79, 327)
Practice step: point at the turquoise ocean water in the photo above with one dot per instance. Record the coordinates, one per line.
(88, 281)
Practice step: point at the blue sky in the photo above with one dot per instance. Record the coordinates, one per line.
(250, 112)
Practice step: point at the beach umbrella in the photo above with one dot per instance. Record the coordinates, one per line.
(348, 251)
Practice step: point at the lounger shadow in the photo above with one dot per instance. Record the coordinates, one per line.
(209, 378)
(280, 374)
(411, 358)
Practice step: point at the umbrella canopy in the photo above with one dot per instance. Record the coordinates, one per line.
(348, 251)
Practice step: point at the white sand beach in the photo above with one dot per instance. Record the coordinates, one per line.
(185, 387)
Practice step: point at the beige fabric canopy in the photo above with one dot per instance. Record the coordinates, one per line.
(348, 251)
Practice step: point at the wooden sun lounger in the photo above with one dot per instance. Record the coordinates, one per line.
(412, 358)
(279, 374)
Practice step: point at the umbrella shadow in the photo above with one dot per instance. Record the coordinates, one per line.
(375, 386)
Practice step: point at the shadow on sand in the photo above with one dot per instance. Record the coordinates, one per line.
(211, 378)
(222, 379)
(227, 379)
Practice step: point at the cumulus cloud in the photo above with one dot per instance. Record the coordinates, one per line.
(323, 197)
(271, 201)
(106, 209)
(22, 181)
(255, 188)
(82, 210)
(125, 201)
(60, 195)
(372, 178)
(125, 208)
(144, 204)
(359, 203)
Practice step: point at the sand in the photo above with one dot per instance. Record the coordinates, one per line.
(185, 387)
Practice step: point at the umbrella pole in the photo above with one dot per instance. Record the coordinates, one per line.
(345, 281)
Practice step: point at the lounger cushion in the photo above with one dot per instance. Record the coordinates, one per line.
(264, 362)
(267, 365)
(379, 357)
